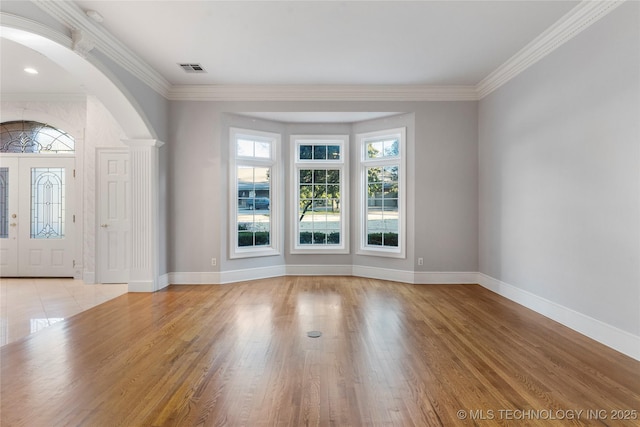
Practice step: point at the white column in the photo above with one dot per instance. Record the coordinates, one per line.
(144, 214)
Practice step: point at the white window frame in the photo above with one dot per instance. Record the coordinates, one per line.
(272, 162)
(363, 163)
(341, 164)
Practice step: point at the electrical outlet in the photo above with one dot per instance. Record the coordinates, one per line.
(420, 261)
(214, 262)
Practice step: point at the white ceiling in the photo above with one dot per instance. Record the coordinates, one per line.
(327, 42)
(305, 42)
(51, 78)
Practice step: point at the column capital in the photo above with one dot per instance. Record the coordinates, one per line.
(138, 143)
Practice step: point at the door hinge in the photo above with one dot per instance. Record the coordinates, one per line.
(74, 263)
(74, 219)
(74, 173)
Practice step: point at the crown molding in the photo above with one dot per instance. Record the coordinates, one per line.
(576, 20)
(70, 15)
(322, 93)
(571, 24)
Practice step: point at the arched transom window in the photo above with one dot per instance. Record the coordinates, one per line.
(25, 136)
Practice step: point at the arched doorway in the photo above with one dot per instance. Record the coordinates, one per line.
(139, 137)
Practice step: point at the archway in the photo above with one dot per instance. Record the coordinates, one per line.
(140, 137)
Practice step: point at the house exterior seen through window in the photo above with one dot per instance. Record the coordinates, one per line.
(318, 199)
(320, 182)
(254, 204)
(382, 193)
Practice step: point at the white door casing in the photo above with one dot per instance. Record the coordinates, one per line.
(114, 224)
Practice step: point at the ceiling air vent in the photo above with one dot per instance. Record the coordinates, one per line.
(192, 68)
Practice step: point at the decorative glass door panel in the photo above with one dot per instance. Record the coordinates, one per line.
(4, 202)
(8, 217)
(47, 203)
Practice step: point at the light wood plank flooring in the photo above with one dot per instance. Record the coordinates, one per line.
(239, 355)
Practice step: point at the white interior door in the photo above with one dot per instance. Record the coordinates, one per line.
(113, 217)
(41, 222)
(9, 217)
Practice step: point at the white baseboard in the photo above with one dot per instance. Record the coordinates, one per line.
(212, 278)
(163, 281)
(194, 278)
(383, 274)
(613, 337)
(233, 276)
(445, 277)
(319, 270)
(141, 286)
(221, 277)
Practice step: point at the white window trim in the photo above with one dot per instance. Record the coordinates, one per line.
(363, 163)
(274, 192)
(343, 165)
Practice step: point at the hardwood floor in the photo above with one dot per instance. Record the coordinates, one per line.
(389, 354)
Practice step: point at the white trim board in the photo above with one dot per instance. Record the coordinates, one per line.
(445, 278)
(322, 93)
(402, 276)
(140, 286)
(319, 270)
(606, 334)
(163, 281)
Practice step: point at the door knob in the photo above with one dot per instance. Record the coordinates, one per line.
(14, 216)
(13, 224)
(104, 225)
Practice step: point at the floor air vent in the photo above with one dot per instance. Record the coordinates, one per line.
(192, 68)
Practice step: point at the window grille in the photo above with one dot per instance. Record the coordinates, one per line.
(34, 137)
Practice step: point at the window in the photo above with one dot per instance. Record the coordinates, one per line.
(381, 188)
(320, 187)
(254, 182)
(34, 137)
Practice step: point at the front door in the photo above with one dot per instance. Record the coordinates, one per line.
(38, 215)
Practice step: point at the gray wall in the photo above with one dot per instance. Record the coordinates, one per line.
(442, 192)
(152, 107)
(559, 156)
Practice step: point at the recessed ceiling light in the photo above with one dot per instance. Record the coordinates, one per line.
(30, 70)
(94, 15)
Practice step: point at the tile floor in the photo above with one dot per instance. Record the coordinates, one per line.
(31, 304)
